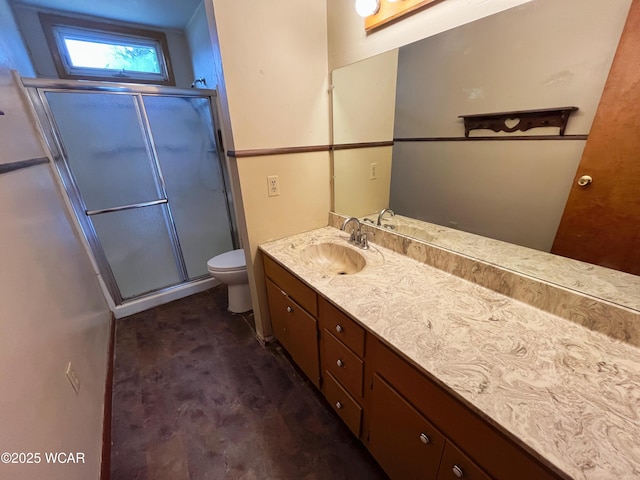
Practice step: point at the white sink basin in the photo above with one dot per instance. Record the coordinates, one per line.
(334, 258)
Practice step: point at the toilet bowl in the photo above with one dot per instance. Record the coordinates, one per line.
(230, 268)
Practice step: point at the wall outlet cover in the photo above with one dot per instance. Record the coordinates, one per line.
(273, 185)
(373, 171)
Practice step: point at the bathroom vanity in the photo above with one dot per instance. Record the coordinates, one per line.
(443, 378)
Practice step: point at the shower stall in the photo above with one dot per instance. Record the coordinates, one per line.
(144, 172)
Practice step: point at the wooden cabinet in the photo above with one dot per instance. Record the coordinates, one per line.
(347, 408)
(342, 363)
(455, 464)
(406, 444)
(341, 326)
(294, 326)
(413, 426)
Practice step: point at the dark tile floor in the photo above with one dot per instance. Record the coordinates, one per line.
(196, 397)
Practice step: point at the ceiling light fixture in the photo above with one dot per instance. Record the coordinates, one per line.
(366, 8)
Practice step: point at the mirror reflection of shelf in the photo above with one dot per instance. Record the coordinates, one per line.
(518, 120)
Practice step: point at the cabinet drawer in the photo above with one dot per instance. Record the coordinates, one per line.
(455, 465)
(296, 330)
(345, 406)
(295, 288)
(343, 364)
(405, 444)
(340, 325)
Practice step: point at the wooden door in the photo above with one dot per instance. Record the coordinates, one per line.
(601, 221)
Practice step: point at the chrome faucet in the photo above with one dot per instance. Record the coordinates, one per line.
(382, 212)
(357, 237)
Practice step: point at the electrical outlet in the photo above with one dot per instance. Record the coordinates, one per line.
(73, 377)
(373, 171)
(273, 182)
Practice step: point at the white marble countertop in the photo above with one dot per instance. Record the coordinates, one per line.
(569, 394)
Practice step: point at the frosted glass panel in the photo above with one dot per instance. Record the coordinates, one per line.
(184, 138)
(138, 249)
(106, 149)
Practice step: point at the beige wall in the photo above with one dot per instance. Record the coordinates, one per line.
(355, 192)
(274, 94)
(52, 311)
(348, 42)
(363, 100)
(274, 56)
(363, 104)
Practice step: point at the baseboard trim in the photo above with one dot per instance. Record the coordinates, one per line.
(105, 469)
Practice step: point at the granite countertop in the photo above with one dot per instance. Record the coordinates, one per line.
(567, 393)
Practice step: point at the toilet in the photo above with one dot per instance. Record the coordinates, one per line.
(230, 268)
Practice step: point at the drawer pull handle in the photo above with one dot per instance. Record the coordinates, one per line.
(339, 328)
(424, 438)
(289, 309)
(340, 363)
(457, 471)
(338, 405)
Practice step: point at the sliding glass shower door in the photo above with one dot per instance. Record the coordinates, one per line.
(144, 174)
(184, 140)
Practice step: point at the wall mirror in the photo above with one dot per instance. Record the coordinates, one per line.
(403, 108)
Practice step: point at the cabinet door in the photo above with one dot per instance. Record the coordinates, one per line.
(456, 464)
(405, 444)
(278, 303)
(296, 330)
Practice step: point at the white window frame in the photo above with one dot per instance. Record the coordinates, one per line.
(57, 27)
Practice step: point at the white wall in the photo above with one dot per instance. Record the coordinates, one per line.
(29, 23)
(13, 53)
(52, 311)
(275, 94)
(202, 55)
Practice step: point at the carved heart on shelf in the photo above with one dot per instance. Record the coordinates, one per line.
(511, 122)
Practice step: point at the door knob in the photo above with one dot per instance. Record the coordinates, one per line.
(584, 180)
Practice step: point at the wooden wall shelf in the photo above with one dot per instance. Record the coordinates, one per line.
(518, 120)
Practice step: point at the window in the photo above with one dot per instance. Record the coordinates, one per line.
(88, 50)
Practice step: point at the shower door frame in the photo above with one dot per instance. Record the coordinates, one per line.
(37, 88)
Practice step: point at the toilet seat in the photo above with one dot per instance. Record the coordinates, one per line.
(228, 261)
